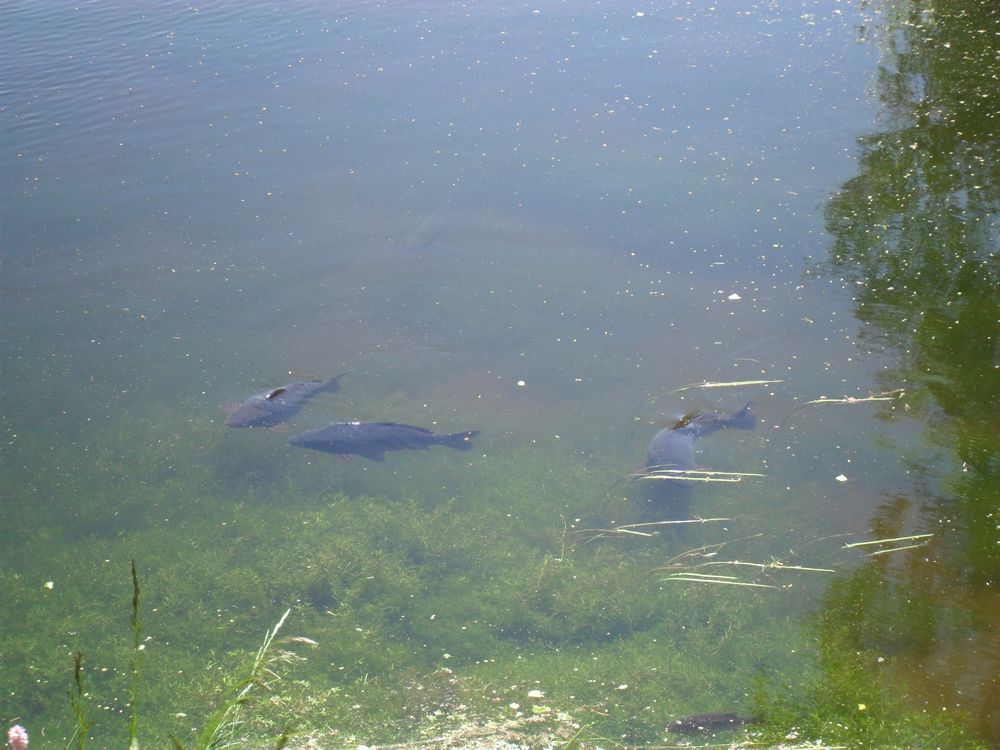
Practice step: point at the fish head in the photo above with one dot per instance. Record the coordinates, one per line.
(671, 449)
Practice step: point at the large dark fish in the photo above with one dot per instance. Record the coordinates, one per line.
(709, 723)
(373, 439)
(272, 408)
(673, 448)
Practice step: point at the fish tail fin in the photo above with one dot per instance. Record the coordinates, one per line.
(745, 418)
(333, 384)
(460, 441)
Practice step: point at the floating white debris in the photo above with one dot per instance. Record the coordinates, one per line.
(734, 296)
(840, 478)
(521, 384)
(49, 585)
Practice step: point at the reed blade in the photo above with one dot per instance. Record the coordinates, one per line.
(133, 688)
(896, 549)
(889, 540)
(724, 583)
(729, 384)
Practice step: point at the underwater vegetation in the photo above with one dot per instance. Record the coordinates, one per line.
(461, 590)
(505, 584)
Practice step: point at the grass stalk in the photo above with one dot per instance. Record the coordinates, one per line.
(663, 523)
(706, 384)
(707, 550)
(633, 532)
(704, 472)
(896, 549)
(133, 688)
(686, 478)
(894, 395)
(693, 579)
(685, 572)
(729, 384)
(888, 540)
(768, 566)
(885, 396)
(694, 475)
(83, 724)
(632, 529)
(220, 730)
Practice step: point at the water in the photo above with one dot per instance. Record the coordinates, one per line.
(537, 221)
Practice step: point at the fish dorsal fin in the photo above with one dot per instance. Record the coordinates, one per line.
(406, 426)
(275, 393)
(684, 421)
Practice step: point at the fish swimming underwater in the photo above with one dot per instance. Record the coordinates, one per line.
(374, 439)
(276, 406)
(673, 449)
(709, 723)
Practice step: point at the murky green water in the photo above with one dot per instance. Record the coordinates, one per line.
(536, 221)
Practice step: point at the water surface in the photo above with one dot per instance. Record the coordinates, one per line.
(537, 221)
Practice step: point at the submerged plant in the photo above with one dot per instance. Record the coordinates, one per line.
(225, 721)
(850, 695)
(83, 724)
(223, 724)
(133, 690)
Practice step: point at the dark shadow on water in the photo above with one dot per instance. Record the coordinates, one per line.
(664, 500)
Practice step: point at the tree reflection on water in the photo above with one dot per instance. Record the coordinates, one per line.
(916, 233)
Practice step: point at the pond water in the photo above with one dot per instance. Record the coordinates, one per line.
(540, 221)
